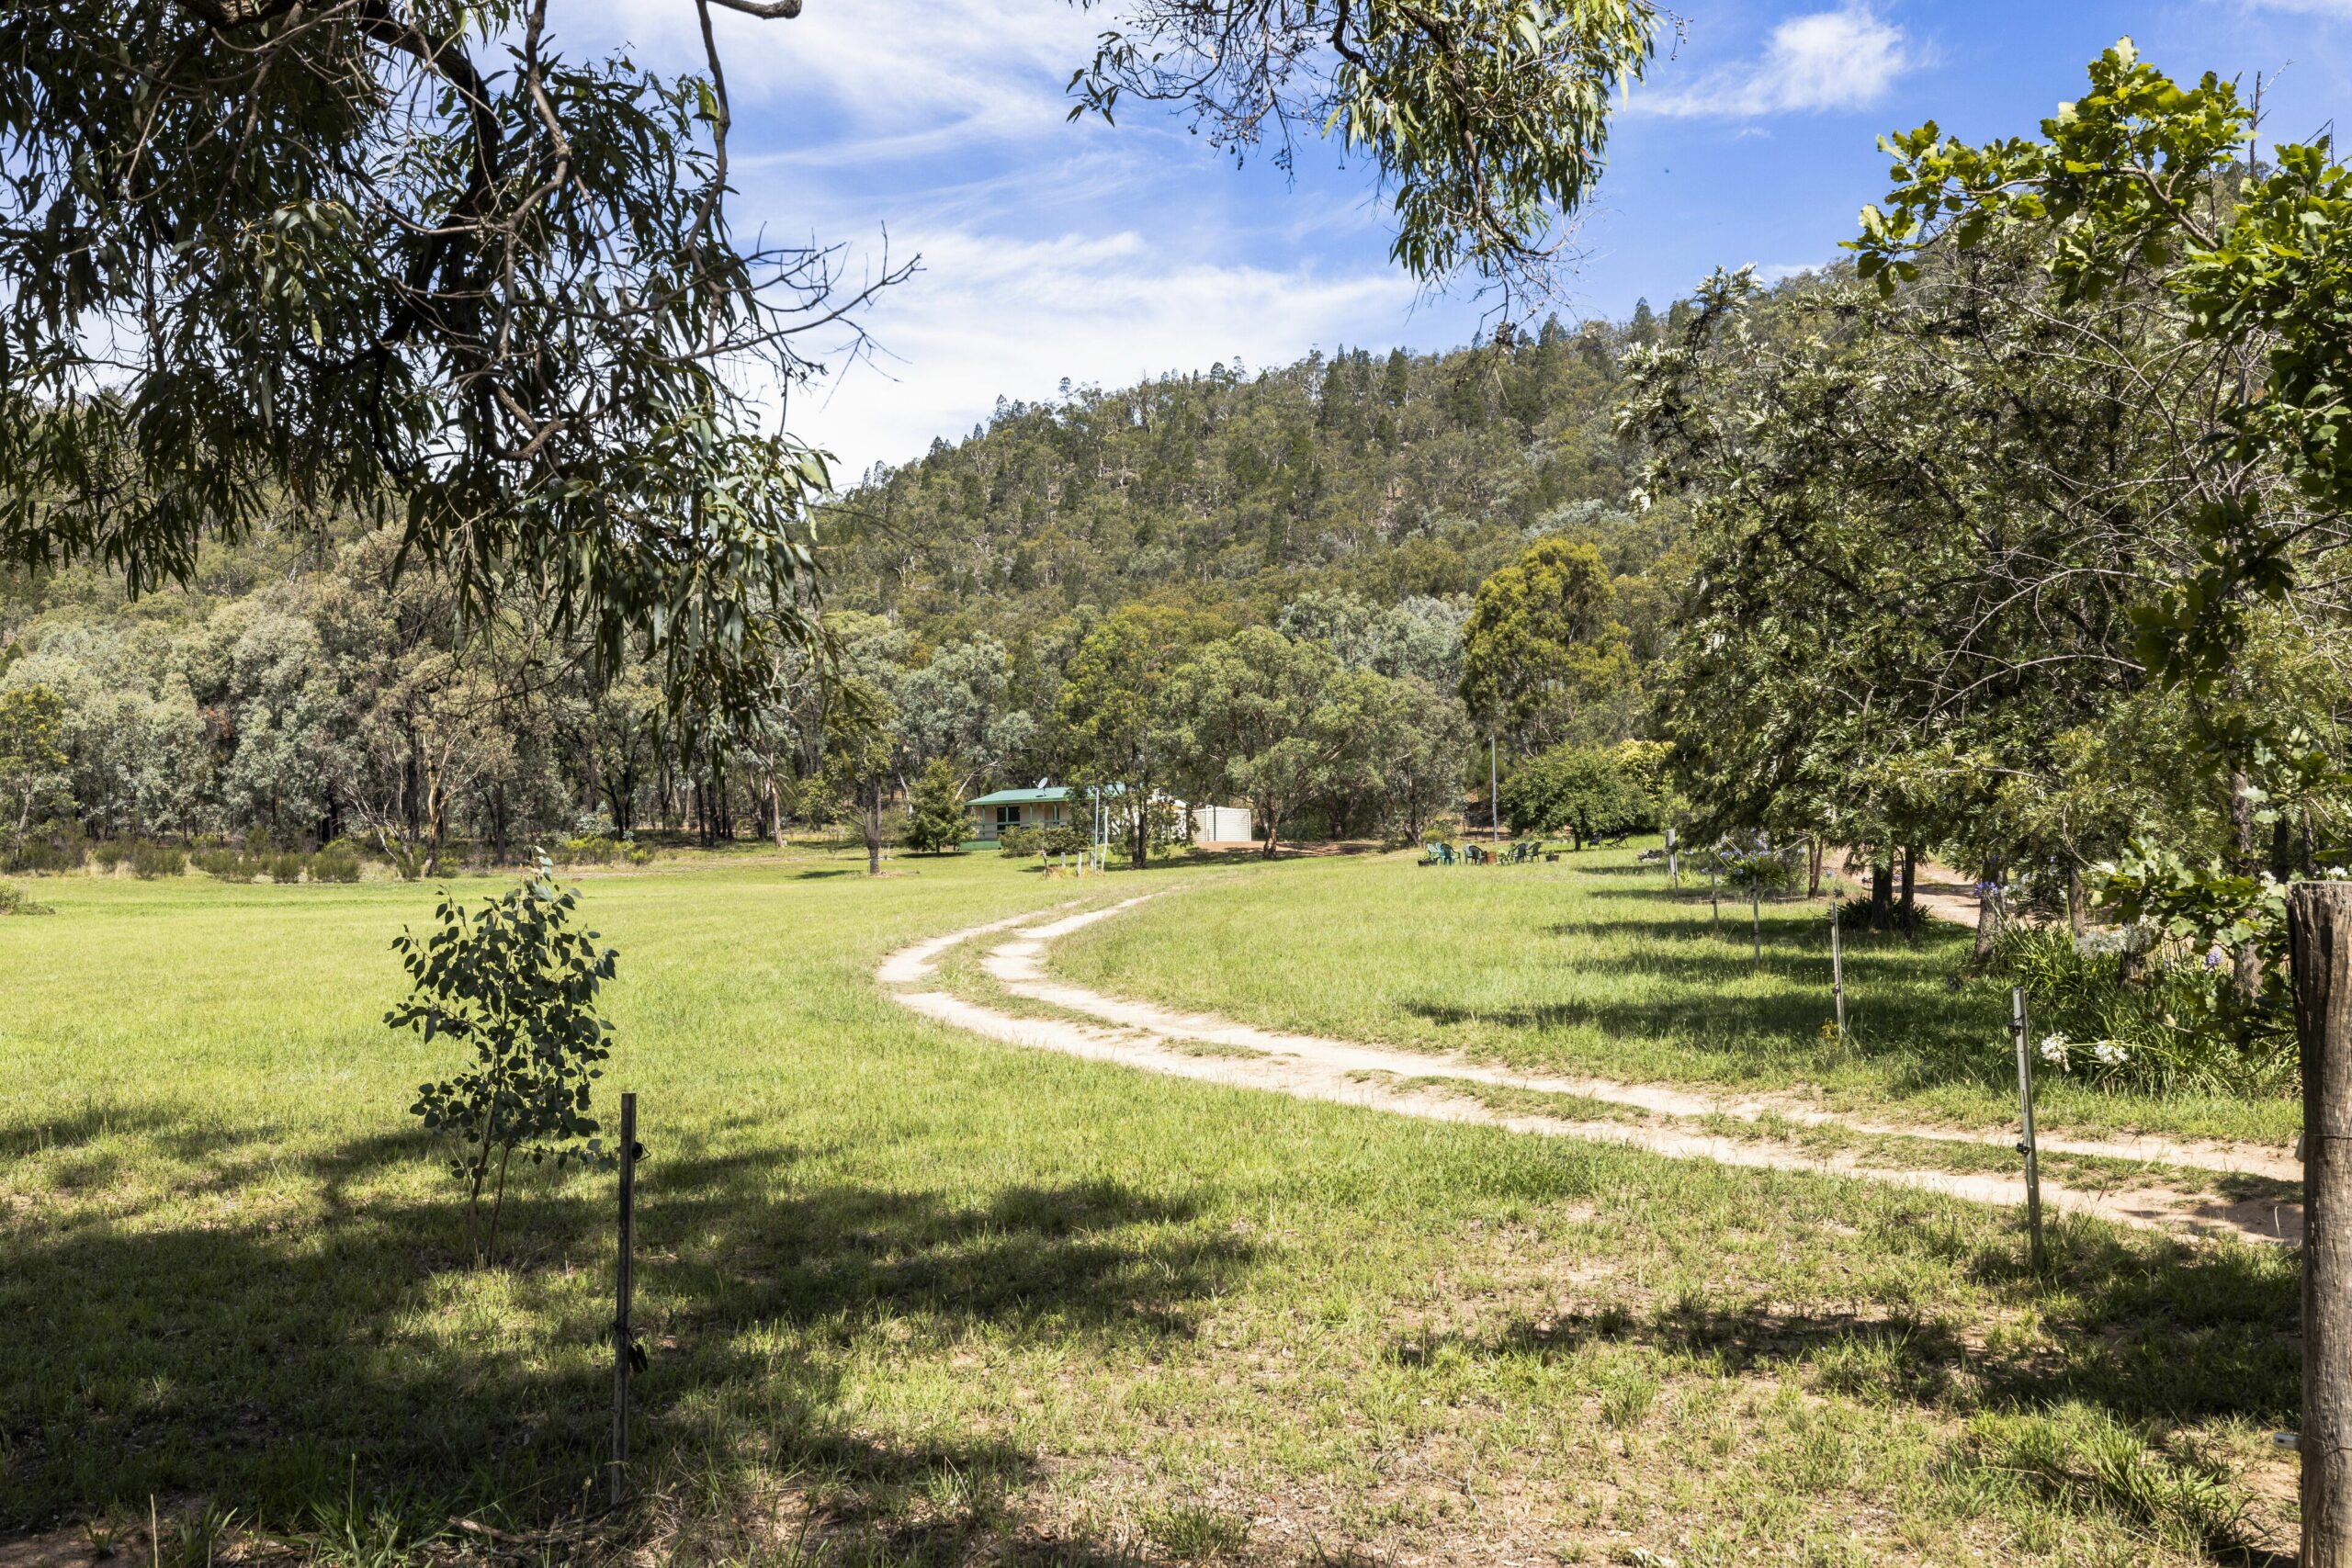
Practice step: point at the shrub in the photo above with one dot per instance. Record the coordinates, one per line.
(587, 851)
(227, 866)
(111, 852)
(2114, 1011)
(14, 901)
(638, 854)
(514, 982)
(285, 865)
(334, 863)
(1015, 842)
(43, 849)
(151, 861)
(1582, 790)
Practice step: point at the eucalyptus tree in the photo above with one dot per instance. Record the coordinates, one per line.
(408, 258)
(1541, 643)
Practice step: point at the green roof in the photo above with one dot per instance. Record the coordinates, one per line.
(1022, 796)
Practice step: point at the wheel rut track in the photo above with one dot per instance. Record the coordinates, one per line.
(1150, 1038)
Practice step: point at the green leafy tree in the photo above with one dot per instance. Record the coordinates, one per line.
(1253, 716)
(936, 821)
(416, 262)
(517, 984)
(1113, 712)
(1483, 118)
(1541, 641)
(858, 759)
(31, 761)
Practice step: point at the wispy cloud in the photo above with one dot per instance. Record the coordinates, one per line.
(871, 77)
(993, 317)
(2301, 8)
(1845, 59)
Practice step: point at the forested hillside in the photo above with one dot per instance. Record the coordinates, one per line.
(1385, 476)
(1341, 511)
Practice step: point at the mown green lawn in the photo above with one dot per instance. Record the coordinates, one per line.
(913, 1298)
(1595, 966)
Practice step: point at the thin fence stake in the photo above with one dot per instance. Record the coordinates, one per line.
(1714, 904)
(1838, 971)
(2026, 1146)
(623, 1341)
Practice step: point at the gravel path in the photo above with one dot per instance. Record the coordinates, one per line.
(1211, 1049)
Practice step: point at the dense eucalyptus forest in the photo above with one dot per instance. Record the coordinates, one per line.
(1343, 508)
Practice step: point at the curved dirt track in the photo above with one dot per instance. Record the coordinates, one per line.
(1215, 1050)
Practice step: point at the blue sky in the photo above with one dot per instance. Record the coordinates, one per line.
(1053, 250)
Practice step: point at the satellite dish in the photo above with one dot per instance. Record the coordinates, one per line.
(1041, 783)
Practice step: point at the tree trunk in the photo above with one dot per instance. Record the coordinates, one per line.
(1813, 868)
(2319, 939)
(874, 831)
(1881, 894)
(1910, 912)
(1992, 910)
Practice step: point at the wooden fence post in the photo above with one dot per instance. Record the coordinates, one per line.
(2319, 946)
(624, 1340)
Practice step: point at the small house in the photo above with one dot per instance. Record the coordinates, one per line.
(1047, 806)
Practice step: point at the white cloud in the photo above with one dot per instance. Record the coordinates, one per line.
(870, 77)
(1845, 59)
(992, 316)
(2304, 7)
(1048, 250)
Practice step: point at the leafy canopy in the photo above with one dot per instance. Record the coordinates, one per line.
(408, 259)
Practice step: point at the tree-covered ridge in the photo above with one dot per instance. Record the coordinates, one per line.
(1334, 516)
(1231, 492)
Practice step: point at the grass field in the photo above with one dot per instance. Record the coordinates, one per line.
(911, 1298)
(1595, 966)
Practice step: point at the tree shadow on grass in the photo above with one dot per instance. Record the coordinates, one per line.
(2185, 1332)
(270, 1363)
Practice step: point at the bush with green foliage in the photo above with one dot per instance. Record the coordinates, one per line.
(936, 819)
(151, 861)
(336, 863)
(587, 849)
(50, 847)
(14, 901)
(286, 866)
(514, 982)
(1016, 841)
(227, 865)
(1587, 792)
(109, 853)
(2123, 1008)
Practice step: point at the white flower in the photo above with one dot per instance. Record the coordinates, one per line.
(2053, 1051)
(2110, 1054)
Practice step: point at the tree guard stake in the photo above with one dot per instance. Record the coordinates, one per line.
(1838, 973)
(623, 1341)
(2025, 1110)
